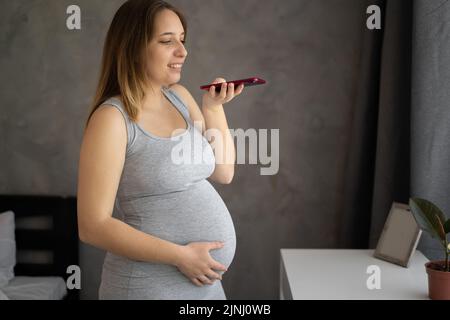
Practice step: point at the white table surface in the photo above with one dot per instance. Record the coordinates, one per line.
(338, 274)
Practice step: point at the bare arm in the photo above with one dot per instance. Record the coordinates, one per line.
(224, 150)
(102, 157)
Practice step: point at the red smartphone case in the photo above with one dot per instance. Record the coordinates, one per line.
(247, 83)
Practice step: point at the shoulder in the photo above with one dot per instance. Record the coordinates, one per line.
(104, 140)
(106, 113)
(184, 95)
(180, 89)
(107, 119)
(188, 100)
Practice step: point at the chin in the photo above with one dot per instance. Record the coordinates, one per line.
(171, 83)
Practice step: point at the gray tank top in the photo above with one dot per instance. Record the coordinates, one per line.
(172, 201)
(149, 169)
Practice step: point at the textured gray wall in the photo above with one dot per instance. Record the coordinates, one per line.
(430, 118)
(309, 52)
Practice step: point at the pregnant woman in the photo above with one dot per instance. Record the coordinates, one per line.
(174, 237)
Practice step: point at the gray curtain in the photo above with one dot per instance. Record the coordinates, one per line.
(377, 171)
(392, 162)
(401, 122)
(430, 118)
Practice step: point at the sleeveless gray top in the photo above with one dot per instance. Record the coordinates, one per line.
(171, 200)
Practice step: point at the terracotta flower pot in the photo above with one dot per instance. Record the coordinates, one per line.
(438, 280)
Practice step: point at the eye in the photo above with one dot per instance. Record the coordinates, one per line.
(166, 42)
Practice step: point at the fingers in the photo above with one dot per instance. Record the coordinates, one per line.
(216, 245)
(239, 89)
(196, 282)
(230, 91)
(218, 266)
(209, 278)
(212, 91)
(222, 86)
(213, 275)
(227, 91)
(223, 91)
(200, 281)
(205, 280)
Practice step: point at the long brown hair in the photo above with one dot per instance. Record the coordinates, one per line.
(123, 69)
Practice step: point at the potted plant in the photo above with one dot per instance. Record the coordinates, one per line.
(432, 220)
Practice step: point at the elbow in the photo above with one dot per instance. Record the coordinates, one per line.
(83, 235)
(222, 176)
(227, 179)
(89, 234)
(90, 237)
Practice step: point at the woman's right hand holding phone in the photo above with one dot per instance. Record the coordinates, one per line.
(197, 265)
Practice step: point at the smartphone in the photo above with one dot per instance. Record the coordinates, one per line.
(247, 83)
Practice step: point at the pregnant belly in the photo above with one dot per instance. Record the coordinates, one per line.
(194, 215)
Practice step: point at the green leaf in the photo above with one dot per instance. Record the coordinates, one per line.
(429, 217)
(447, 226)
(439, 228)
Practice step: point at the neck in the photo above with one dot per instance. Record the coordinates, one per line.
(154, 99)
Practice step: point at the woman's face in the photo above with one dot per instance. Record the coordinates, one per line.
(165, 49)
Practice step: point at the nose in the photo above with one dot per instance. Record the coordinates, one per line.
(181, 51)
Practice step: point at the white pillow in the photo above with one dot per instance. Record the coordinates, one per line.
(7, 247)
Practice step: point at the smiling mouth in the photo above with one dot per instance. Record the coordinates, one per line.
(175, 66)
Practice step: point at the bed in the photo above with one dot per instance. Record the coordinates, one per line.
(46, 239)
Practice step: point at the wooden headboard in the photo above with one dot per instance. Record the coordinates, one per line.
(46, 235)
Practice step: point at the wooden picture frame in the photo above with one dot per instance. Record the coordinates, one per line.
(399, 237)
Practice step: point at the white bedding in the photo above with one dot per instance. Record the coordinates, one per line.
(3, 295)
(35, 288)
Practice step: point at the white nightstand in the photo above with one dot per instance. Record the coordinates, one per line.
(337, 274)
